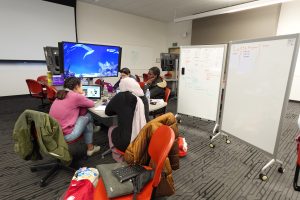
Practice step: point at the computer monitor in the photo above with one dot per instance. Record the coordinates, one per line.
(168, 61)
(90, 60)
(52, 60)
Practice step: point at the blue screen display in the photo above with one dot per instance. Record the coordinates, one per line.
(90, 60)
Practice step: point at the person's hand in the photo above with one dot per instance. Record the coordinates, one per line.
(149, 81)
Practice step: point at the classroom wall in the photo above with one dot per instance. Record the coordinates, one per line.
(142, 39)
(289, 23)
(180, 33)
(254, 23)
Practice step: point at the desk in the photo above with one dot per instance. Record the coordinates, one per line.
(101, 118)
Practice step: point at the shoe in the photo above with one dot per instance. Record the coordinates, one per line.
(91, 152)
(96, 129)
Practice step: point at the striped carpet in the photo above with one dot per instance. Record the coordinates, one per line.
(229, 171)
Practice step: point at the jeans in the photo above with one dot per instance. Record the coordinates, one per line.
(83, 125)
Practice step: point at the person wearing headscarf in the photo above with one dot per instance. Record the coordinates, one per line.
(125, 72)
(70, 111)
(129, 108)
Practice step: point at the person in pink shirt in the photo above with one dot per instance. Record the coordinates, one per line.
(70, 111)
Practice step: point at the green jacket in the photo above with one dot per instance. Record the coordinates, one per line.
(49, 137)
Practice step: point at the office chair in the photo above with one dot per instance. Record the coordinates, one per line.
(158, 149)
(167, 94)
(42, 79)
(161, 110)
(36, 90)
(51, 93)
(35, 133)
(145, 77)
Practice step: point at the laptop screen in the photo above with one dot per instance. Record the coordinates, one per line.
(92, 91)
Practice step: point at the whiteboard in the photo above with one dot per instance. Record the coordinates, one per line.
(199, 86)
(258, 82)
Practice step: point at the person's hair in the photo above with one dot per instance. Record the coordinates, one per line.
(70, 84)
(155, 70)
(125, 70)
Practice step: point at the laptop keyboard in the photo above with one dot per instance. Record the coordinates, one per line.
(128, 172)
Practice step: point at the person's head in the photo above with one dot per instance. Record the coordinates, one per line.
(71, 83)
(125, 72)
(154, 72)
(129, 84)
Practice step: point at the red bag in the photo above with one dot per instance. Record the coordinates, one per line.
(182, 147)
(80, 190)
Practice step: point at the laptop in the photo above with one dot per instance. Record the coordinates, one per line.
(92, 92)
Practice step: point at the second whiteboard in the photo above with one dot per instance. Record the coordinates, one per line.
(201, 69)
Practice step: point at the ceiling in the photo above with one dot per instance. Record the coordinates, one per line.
(165, 10)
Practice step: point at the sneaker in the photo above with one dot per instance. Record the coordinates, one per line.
(96, 129)
(91, 152)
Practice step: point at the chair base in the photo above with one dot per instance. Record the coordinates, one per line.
(53, 169)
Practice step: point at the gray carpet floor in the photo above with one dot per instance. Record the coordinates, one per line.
(229, 171)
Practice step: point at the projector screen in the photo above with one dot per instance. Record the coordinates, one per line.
(29, 25)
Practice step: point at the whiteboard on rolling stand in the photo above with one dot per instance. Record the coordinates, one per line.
(259, 77)
(200, 75)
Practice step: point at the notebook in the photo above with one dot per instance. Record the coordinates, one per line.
(92, 91)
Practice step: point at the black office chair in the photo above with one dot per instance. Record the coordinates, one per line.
(34, 128)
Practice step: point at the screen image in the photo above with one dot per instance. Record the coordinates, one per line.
(92, 91)
(90, 60)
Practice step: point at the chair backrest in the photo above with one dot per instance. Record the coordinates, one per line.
(137, 78)
(145, 77)
(159, 147)
(34, 87)
(51, 93)
(98, 81)
(142, 84)
(167, 94)
(42, 79)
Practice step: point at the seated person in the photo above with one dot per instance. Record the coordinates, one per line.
(125, 72)
(131, 115)
(70, 111)
(155, 84)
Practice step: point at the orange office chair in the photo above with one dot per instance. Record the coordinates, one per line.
(43, 79)
(51, 93)
(36, 90)
(167, 94)
(159, 147)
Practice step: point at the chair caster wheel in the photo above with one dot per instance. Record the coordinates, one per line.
(210, 137)
(43, 183)
(228, 141)
(263, 177)
(211, 145)
(281, 170)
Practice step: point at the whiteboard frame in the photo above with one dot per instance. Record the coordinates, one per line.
(287, 91)
(225, 46)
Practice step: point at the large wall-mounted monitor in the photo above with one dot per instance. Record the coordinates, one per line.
(90, 60)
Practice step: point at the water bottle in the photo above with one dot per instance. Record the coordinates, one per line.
(105, 91)
(148, 95)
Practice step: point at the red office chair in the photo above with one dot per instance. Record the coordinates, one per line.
(159, 147)
(98, 81)
(142, 84)
(36, 90)
(43, 79)
(51, 93)
(167, 94)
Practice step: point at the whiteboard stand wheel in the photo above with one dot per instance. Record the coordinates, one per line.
(211, 145)
(281, 170)
(263, 177)
(228, 141)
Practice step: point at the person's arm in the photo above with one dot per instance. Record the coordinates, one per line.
(117, 84)
(112, 105)
(84, 102)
